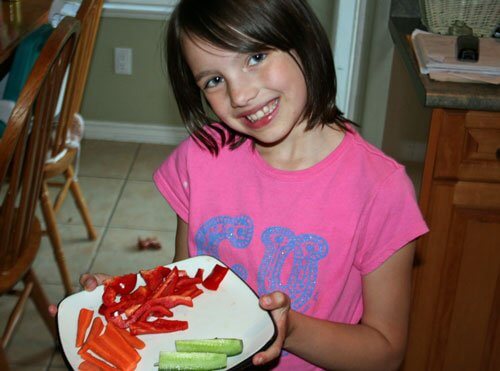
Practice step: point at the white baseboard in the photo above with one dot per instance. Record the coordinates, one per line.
(137, 133)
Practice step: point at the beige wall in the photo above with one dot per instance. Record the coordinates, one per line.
(144, 96)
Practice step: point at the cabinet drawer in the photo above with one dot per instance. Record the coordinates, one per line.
(469, 146)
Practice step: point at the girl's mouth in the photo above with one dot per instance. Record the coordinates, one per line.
(264, 115)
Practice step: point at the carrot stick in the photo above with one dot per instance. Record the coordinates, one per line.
(129, 338)
(115, 340)
(95, 330)
(88, 366)
(84, 319)
(103, 349)
(99, 365)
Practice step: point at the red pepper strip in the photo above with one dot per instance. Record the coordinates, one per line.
(102, 347)
(159, 326)
(152, 277)
(168, 286)
(109, 296)
(122, 284)
(119, 322)
(127, 303)
(129, 338)
(84, 318)
(192, 292)
(131, 310)
(187, 281)
(95, 330)
(95, 362)
(215, 277)
(157, 311)
(182, 273)
(166, 301)
(199, 273)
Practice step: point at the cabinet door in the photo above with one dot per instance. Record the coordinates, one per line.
(455, 313)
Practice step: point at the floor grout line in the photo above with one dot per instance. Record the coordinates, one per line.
(120, 194)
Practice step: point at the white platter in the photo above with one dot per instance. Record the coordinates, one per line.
(232, 311)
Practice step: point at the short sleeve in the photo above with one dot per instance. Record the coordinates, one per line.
(392, 220)
(172, 180)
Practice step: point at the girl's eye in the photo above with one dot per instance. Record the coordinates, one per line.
(213, 82)
(257, 58)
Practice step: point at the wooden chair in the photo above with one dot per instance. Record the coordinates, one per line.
(89, 15)
(23, 148)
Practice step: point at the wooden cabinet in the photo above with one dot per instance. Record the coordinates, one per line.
(455, 319)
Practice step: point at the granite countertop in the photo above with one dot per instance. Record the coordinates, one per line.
(482, 97)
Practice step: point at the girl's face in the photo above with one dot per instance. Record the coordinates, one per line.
(261, 95)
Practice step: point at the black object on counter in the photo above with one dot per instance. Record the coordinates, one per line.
(467, 48)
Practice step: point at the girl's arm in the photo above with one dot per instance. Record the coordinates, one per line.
(377, 343)
(181, 240)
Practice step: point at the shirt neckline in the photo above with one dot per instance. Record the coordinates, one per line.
(265, 168)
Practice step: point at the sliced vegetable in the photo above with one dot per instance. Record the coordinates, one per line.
(158, 326)
(88, 366)
(104, 348)
(168, 286)
(95, 363)
(84, 318)
(131, 339)
(191, 361)
(122, 284)
(228, 346)
(95, 330)
(215, 277)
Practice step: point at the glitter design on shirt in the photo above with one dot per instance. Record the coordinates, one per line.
(304, 250)
(237, 230)
(289, 263)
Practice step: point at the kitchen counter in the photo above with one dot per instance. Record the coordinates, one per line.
(433, 94)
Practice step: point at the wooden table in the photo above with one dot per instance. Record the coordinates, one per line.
(17, 20)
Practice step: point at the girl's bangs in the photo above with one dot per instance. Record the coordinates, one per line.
(232, 29)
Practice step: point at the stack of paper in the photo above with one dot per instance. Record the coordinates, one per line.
(437, 56)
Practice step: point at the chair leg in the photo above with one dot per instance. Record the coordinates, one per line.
(41, 302)
(81, 204)
(55, 237)
(4, 365)
(16, 313)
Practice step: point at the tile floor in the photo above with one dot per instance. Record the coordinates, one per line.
(116, 179)
(124, 203)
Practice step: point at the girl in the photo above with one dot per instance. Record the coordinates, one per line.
(276, 183)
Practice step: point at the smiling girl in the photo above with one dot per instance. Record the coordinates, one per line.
(277, 184)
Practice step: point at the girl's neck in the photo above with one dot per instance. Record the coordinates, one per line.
(302, 149)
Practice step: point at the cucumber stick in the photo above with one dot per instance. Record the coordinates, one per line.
(227, 346)
(191, 361)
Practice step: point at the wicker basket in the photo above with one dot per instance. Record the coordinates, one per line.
(480, 15)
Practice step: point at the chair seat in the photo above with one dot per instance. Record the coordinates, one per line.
(56, 168)
(9, 277)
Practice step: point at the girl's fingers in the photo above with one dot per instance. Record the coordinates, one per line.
(90, 281)
(52, 310)
(279, 305)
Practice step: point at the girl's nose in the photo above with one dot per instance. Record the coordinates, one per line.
(241, 93)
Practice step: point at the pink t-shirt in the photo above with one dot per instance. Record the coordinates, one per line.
(310, 233)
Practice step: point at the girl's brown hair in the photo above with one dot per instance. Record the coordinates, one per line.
(251, 26)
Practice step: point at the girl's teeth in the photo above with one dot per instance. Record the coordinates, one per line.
(264, 111)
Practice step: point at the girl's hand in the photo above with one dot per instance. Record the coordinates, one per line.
(278, 304)
(90, 281)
